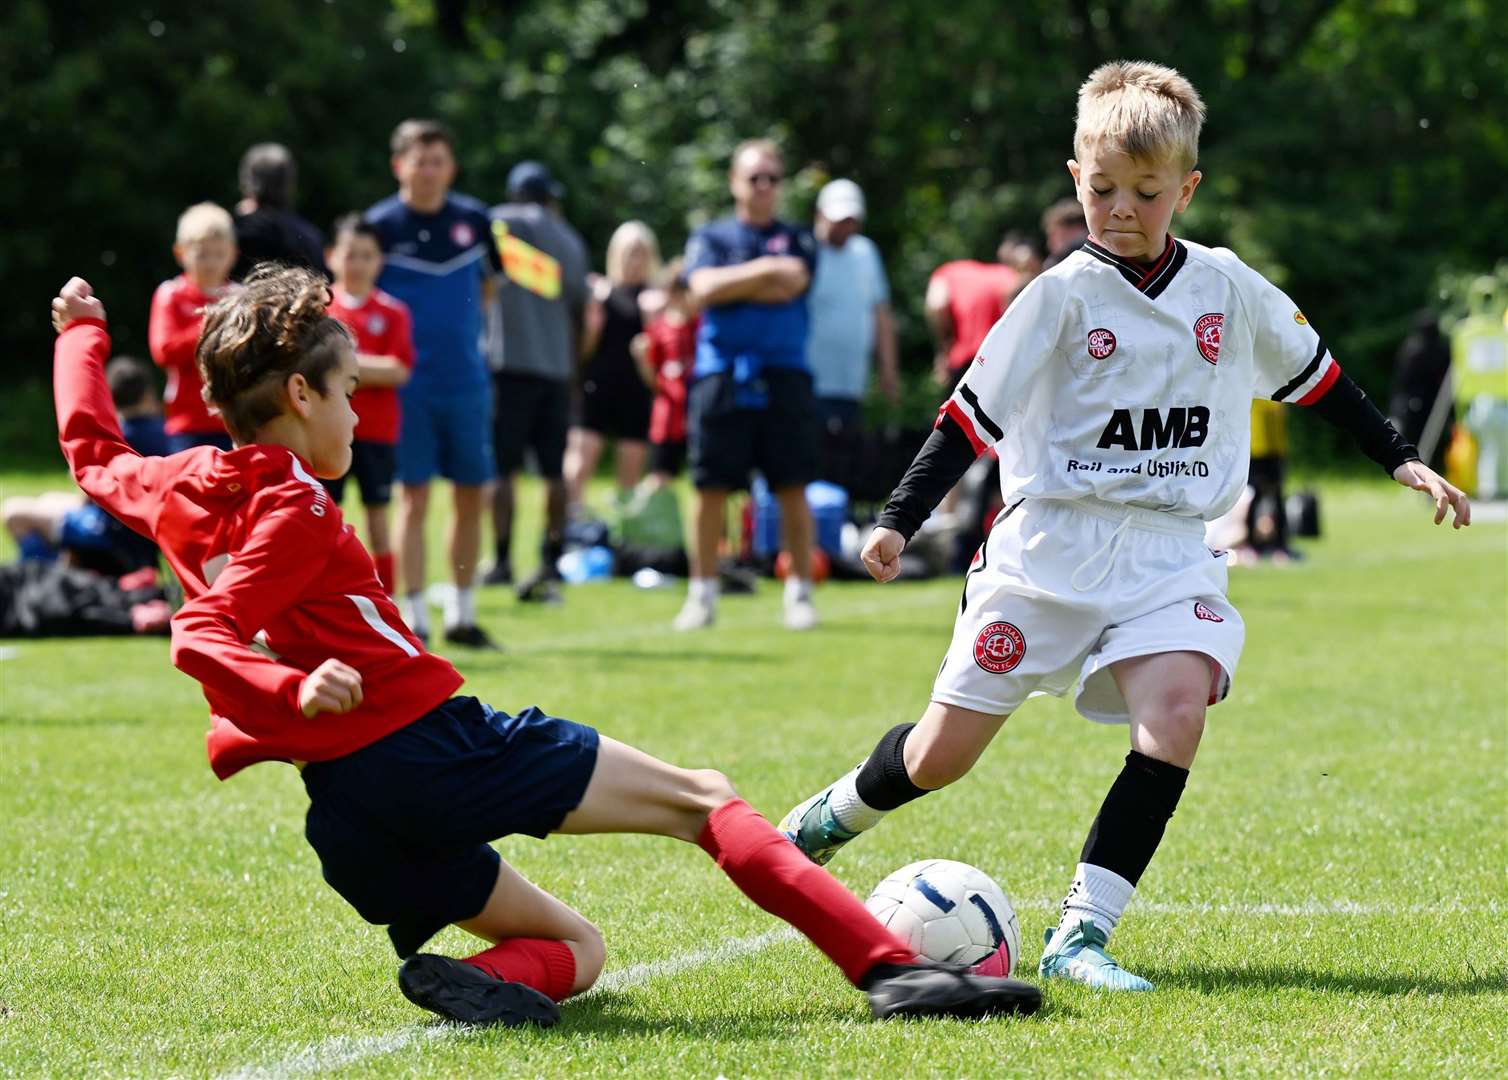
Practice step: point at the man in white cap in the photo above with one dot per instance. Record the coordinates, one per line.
(850, 322)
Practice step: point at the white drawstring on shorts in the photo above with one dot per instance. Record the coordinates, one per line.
(1108, 549)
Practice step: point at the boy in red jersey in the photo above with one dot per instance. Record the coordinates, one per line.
(205, 246)
(407, 784)
(384, 337)
(665, 353)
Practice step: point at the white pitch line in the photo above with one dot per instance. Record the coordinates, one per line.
(343, 1050)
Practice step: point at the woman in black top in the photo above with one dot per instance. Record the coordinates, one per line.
(614, 400)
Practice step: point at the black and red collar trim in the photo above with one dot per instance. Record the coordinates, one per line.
(1151, 280)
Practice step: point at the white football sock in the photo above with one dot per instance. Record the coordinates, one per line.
(850, 811)
(416, 613)
(1097, 895)
(465, 609)
(797, 589)
(704, 590)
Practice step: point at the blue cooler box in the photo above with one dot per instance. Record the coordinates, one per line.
(829, 505)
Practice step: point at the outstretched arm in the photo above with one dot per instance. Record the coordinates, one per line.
(109, 471)
(1346, 406)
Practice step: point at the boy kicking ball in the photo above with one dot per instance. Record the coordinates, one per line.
(1116, 392)
(303, 658)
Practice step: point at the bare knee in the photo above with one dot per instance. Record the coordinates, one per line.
(590, 952)
(703, 791)
(1172, 733)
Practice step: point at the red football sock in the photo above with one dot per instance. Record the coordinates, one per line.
(776, 876)
(385, 570)
(548, 966)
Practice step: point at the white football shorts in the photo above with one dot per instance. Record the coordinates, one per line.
(1061, 590)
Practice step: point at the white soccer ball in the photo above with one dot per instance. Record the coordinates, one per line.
(952, 912)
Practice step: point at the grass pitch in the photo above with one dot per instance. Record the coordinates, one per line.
(1329, 899)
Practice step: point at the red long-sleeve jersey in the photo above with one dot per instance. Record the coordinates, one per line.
(172, 336)
(264, 558)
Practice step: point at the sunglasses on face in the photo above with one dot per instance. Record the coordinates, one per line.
(765, 179)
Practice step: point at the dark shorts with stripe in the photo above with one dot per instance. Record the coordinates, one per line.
(402, 826)
(728, 441)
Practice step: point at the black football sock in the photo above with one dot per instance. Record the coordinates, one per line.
(1122, 841)
(550, 552)
(882, 782)
(1130, 824)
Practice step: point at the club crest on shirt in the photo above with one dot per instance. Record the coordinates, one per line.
(1202, 612)
(778, 244)
(1207, 335)
(462, 234)
(376, 324)
(999, 648)
(1101, 343)
(1298, 317)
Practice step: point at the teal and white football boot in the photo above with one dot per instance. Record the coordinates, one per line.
(814, 829)
(1079, 954)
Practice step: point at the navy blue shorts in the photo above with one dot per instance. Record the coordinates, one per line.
(402, 826)
(446, 435)
(374, 465)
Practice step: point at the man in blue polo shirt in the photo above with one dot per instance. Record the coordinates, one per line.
(439, 258)
(751, 405)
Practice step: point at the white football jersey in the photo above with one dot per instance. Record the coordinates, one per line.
(1134, 384)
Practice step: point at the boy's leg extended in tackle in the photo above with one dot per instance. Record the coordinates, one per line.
(631, 791)
(909, 761)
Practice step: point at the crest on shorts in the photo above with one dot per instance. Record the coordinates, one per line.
(462, 234)
(1202, 612)
(1207, 335)
(999, 648)
(1101, 343)
(1298, 317)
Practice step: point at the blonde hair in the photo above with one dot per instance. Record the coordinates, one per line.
(1145, 110)
(203, 220)
(624, 237)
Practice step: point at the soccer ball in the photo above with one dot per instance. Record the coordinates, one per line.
(952, 912)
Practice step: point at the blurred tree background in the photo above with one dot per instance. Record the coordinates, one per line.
(1356, 150)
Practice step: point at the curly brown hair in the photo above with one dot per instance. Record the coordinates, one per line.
(258, 336)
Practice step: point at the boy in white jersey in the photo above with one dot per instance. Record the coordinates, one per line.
(1117, 392)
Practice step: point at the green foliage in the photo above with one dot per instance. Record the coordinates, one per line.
(1353, 151)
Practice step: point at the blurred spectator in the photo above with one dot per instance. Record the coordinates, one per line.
(266, 226)
(205, 247)
(534, 325)
(385, 355)
(1267, 517)
(1479, 381)
(1065, 229)
(614, 399)
(439, 257)
(850, 320)
(751, 405)
(665, 353)
(964, 299)
(1419, 371)
(68, 523)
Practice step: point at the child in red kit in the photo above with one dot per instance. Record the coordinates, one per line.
(384, 356)
(408, 784)
(205, 246)
(665, 352)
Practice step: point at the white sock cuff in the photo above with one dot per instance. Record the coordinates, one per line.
(852, 812)
(704, 589)
(1104, 889)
